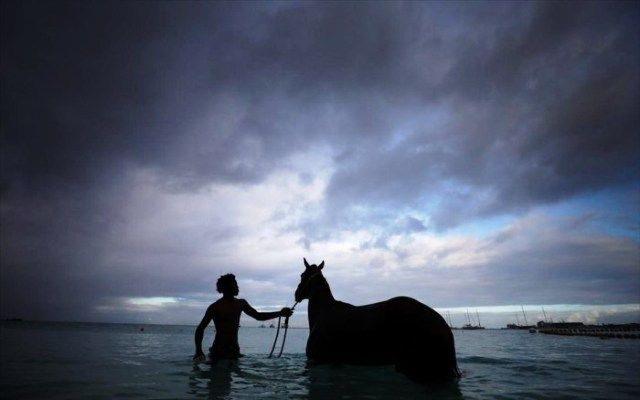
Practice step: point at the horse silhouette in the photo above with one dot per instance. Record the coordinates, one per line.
(399, 331)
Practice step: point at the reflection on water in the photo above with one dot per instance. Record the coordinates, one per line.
(294, 377)
(250, 377)
(348, 381)
(213, 381)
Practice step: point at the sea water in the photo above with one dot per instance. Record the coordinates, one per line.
(104, 361)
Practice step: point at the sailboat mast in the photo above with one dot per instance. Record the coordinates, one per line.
(525, 315)
(517, 320)
(544, 313)
(478, 315)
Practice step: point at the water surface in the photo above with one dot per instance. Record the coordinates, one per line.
(81, 360)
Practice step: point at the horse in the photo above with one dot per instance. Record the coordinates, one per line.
(400, 331)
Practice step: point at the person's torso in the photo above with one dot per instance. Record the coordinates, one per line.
(226, 318)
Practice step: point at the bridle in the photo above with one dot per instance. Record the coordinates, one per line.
(286, 321)
(309, 281)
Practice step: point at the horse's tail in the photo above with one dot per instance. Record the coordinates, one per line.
(447, 354)
(430, 357)
(427, 349)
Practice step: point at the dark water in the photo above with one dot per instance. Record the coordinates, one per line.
(77, 360)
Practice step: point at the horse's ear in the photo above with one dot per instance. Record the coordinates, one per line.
(306, 264)
(321, 265)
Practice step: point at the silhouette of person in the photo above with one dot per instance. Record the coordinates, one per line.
(225, 313)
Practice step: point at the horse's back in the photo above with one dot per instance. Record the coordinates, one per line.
(412, 313)
(392, 315)
(376, 329)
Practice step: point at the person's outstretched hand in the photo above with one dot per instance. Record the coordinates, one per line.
(286, 312)
(199, 357)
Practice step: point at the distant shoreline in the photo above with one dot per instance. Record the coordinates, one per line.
(139, 324)
(125, 323)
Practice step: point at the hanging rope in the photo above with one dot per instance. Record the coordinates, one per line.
(276, 338)
(284, 337)
(286, 321)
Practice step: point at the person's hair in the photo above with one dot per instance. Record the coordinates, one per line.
(225, 283)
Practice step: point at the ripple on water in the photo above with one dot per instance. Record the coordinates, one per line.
(485, 360)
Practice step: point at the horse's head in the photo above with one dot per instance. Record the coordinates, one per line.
(308, 280)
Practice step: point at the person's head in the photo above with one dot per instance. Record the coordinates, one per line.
(227, 285)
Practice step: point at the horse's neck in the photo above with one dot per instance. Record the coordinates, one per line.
(319, 301)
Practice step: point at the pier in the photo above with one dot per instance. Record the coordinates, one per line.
(609, 331)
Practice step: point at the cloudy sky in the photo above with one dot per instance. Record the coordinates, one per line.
(470, 155)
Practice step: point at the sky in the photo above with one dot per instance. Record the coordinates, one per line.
(473, 155)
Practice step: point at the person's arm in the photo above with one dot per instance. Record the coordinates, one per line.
(208, 316)
(263, 316)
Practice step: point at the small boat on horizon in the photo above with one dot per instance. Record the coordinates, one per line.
(526, 326)
(468, 326)
(472, 327)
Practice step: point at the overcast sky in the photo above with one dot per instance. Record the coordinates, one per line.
(480, 155)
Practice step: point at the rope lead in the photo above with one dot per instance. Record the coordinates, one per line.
(276, 338)
(284, 337)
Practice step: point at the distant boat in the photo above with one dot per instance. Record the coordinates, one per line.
(472, 327)
(468, 326)
(526, 323)
(520, 327)
(449, 321)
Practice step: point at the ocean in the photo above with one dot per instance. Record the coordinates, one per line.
(105, 361)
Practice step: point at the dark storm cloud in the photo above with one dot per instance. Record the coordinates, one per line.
(457, 111)
(85, 87)
(90, 85)
(550, 92)
(545, 110)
